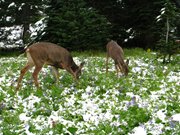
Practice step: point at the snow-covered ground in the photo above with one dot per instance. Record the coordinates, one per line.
(99, 100)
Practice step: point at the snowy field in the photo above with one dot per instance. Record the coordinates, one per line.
(147, 102)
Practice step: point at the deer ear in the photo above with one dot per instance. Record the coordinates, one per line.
(127, 62)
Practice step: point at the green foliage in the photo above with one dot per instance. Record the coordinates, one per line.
(166, 44)
(76, 26)
(99, 103)
(58, 128)
(133, 116)
(132, 20)
(19, 13)
(104, 129)
(72, 130)
(167, 49)
(87, 24)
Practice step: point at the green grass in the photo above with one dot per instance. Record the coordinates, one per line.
(99, 103)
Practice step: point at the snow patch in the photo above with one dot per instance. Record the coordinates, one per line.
(23, 117)
(176, 117)
(11, 5)
(161, 115)
(139, 131)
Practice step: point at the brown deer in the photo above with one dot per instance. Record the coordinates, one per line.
(51, 54)
(116, 53)
(177, 41)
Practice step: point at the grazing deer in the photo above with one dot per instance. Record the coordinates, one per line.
(116, 53)
(177, 41)
(51, 54)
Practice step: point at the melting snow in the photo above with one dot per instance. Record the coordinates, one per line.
(23, 117)
(90, 107)
(176, 117)
(11, 5)
(14, 36)
(161, 115)
(139, 131)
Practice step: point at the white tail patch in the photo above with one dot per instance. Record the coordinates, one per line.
(30, 60)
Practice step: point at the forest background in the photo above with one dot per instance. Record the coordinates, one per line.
(89, 24)
(144, 102)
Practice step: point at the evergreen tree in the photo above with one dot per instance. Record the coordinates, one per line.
(74, 25)
(170, 17)
(132, 20)
(21, 13)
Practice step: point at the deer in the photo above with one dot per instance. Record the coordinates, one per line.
(177, 41)
(46, 53)
(116, 53)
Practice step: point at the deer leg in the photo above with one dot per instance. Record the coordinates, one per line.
(23, 71)
(35, 75)
(117, 69)
(107, 58)
(120, 67)
(55, 73)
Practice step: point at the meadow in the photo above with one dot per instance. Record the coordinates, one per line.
(146, 102)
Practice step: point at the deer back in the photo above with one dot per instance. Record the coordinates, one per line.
(114, 50)
(51, 54)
